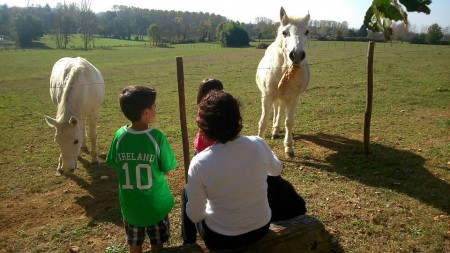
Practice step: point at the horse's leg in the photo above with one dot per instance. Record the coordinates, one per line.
(59, 169)
(84, 147)
(278, 109)
(93, 139)
(275, 113)
(288, 138)
(266, 105)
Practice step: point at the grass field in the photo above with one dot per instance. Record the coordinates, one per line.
(395, 200)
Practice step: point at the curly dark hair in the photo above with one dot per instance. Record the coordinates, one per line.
(134, 100)
(206, 86)
(219, 118)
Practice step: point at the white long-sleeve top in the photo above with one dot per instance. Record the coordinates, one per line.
(227, 185)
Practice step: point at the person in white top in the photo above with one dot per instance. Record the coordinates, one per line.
(225, 199)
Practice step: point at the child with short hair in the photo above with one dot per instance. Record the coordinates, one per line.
(142, 156)
(206, 85)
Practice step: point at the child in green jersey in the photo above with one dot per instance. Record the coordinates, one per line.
(142, 156)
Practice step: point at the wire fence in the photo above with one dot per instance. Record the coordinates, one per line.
(70, 86)
(362, 54)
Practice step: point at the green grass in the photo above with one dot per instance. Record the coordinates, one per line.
(394, 200)
(75, 42)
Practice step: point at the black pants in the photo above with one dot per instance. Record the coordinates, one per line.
(284, 201)
(212, 239)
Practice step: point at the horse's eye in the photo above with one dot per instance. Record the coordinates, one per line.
(306, 32)
(75, 142)
(284, 33)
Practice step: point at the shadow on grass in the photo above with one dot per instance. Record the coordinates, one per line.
(398, 170)
(335, 246)
(38, 45)
(102, 204)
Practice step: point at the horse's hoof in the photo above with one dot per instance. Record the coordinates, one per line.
(276, 136)
(95, 164)
(289, 155)
(58, 173)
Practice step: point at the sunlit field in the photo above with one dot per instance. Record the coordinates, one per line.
(394, 200)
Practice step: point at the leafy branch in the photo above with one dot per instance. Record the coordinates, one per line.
(381, 13)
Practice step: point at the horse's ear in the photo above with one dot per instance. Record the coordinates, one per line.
(284, 19)
(51, 121)
(305, 20)
(73, 121)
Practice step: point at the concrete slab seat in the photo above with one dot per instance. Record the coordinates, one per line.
(303, 233)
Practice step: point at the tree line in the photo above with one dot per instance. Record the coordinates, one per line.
(64, 21)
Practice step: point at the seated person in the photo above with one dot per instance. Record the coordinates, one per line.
(225, 199)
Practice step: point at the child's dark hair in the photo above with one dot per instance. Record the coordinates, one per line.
(206, 86)
(134, 100)
(219, 117)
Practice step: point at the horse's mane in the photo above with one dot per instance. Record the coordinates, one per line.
(295, 20)
(68, 104)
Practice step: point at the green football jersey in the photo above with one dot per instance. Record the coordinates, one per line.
(141, 158)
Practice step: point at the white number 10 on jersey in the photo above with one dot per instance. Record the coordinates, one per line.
(139, 185)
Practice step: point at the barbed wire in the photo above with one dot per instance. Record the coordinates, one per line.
(363, 56)
(86, 119)
(70, 86)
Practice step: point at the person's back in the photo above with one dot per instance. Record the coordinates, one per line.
(142, 185)
(225, 199)
(141, 156)
(235, 180)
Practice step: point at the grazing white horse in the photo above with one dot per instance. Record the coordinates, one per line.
(286, 51)
(78, 89)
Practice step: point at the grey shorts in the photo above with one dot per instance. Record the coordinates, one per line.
(158, 233)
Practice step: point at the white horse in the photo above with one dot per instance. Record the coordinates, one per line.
(78, 89)
(287, 50)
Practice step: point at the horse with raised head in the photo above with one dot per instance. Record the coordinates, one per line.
(78, 90)
(287, 52)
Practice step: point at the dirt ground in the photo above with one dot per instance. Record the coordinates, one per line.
(80, 212)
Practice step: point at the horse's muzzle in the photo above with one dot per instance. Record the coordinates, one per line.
(297, 57)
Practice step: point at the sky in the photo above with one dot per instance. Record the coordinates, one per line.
(246, 11)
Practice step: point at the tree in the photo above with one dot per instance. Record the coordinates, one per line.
(4, 20)
(105, 23)
(381, 13)
(401, 32)
(123, 22)
(27, 27)
(154, 32)
(87, 23)
(65, 24)
(46, 15)
(205, 31)
(180, 28)
(419, 39)
(362, 32)
(264, 28)
(446, 32)
(231, 34)
(351, 33)
(434, 34)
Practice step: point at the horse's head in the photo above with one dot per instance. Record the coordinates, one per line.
(69, 137)
(293, 35)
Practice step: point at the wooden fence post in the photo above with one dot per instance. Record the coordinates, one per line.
(181, 102)
(368, 113)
